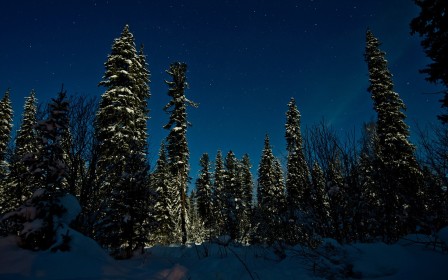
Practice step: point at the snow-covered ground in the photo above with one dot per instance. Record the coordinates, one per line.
(86, 260)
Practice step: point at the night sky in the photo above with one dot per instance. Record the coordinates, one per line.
(246, 60)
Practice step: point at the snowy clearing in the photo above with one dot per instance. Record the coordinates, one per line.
(86, 260)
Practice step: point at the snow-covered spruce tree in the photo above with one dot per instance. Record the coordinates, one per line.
(5, 132)
(279, 199)
(204, 192)
(218, 196)
(298, 186)
(247, 186)
(143, 76)
(400, 176)
(138, 198)
(319, 202)
(197, 233)
(21, 182)
(234, 193)
(165, 224)
(176, 141)
(140, 181)
(265, 171)
(50, 167)
(121, 135)
(270, 196)
(7, 197)
(42, 221)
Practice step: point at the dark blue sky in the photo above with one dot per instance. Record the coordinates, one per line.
(246, 59)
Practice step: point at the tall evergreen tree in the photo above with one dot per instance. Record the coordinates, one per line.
(204, 191)
(197, 232)
(50, 167)
(139, 167)
(7, 198)
(165, 206)
(25, 142)
(247, 186)
(400, 174)
(233, 203)
(120, 130)
(431, 25)
(22, 182)
(270, 195)
(143, 93)
(218, 195)
(298, 185)
(41, 229)
(177, 146)
(5, 132)
(265, 171)
(279, 200)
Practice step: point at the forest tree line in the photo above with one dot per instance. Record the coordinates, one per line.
(371, 189)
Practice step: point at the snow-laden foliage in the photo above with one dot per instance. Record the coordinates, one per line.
(271, 205)
(121, 134)
(22, 182)
(400, 179)
(176, 141)
(233, 197)
(204, 191)
(5, 132)
(196, 227)
(166, 203)
(39, 220)
(8, 195)
(50, 166)
(218, 195)
(43, 221)
(247, 185)
(298, 185)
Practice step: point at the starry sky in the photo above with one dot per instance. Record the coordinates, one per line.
(246, 59)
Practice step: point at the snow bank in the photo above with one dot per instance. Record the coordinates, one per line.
(87, 260)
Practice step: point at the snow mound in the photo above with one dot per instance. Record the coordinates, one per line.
(72, 207)
(42, 222)
(86, 260)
